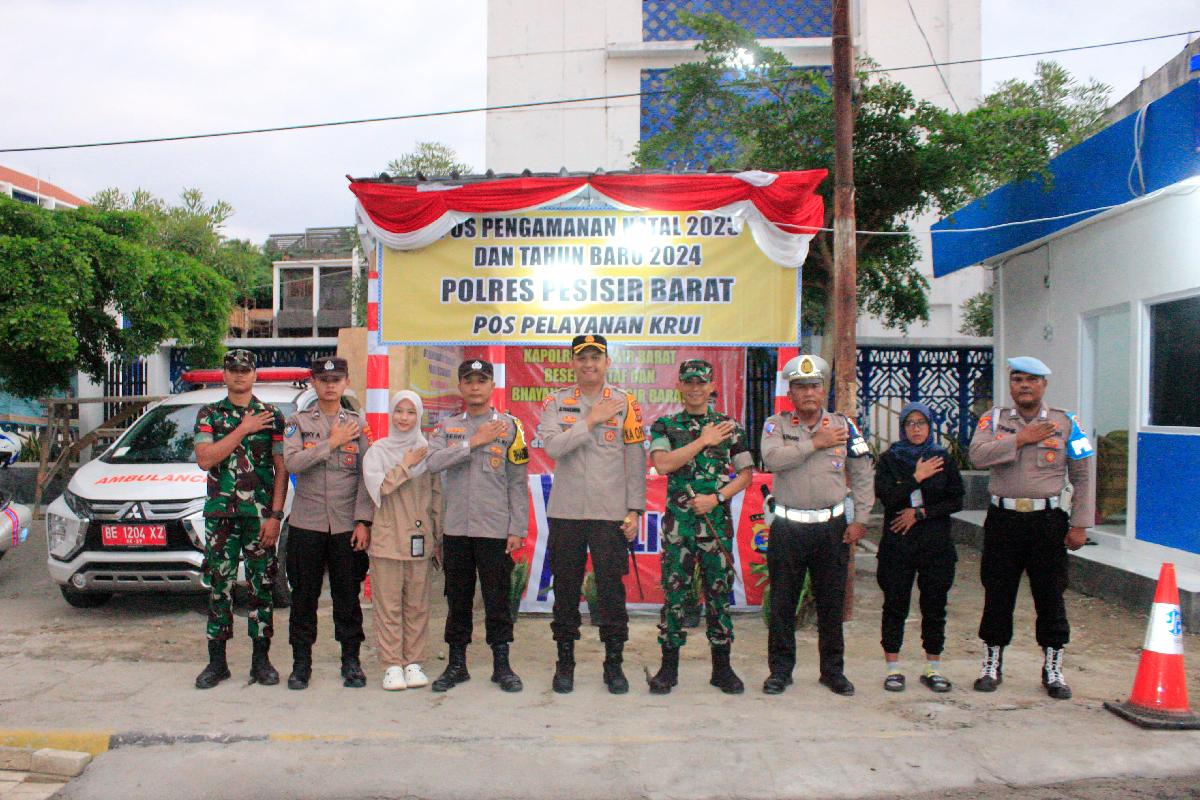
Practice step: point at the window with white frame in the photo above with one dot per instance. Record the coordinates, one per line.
(1175, 362)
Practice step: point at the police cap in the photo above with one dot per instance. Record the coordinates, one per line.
(331, 366)
(1029, 365)
(583, 342)
(476, 366)
(806, 369)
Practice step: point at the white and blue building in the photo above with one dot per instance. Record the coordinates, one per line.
(1106, 291)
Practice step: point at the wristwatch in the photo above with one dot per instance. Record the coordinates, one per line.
(277, 515)
(365, 522)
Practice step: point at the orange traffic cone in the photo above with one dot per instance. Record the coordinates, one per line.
(1159, 697)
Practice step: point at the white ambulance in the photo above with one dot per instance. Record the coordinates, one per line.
(131, 520)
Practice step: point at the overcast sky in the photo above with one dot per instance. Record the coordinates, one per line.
(79, 71)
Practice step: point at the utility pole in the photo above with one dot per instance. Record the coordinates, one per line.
(845, 264)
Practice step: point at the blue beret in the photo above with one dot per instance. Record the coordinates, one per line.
(1028, 365)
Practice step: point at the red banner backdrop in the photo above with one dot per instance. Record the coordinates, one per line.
(643, 586)
(651, 373)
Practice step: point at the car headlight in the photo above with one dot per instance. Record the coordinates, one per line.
(77, 504)
(194, 525)
(64, 535)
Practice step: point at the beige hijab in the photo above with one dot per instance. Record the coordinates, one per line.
(385, 454)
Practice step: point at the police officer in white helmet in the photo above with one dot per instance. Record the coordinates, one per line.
(811, 451)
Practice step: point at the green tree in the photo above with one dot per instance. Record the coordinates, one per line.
(910, 157)
(429, 159)
(64, 275)
(977, 315)
(193, 226)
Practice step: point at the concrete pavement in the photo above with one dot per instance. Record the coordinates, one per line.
(118, 680)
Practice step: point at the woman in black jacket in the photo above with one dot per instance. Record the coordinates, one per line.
(920, 487)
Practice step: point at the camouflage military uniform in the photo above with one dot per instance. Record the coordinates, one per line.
(239, 499)
(687, 537)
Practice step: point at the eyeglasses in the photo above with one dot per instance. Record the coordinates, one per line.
(916, 423)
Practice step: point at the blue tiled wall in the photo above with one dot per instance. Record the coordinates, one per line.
(766, 19)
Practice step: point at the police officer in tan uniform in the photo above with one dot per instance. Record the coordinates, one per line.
(811, 451)
(482, 456)
(329, 527)
(1032, 451)
(594, 433)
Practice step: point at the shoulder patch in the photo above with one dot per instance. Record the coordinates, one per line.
(769, 429)
(985, 422)
(632, 429)
(518, 451)
(290, 430)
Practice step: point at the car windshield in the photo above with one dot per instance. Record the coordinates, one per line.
(163, 435)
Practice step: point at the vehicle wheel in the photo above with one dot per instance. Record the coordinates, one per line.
(78, 599)
(281, 592)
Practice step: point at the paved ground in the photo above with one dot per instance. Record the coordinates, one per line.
(118, 679)
(23, 786)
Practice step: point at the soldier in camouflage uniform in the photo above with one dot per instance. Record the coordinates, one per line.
(701, 450)
(239, 440)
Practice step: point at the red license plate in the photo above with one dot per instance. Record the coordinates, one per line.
(133, 535)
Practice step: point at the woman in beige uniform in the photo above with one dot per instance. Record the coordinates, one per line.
(405, 537)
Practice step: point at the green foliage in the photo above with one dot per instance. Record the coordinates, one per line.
(910, 157)
(429, 159)
(193, 227)
(977, 315)
(65, 273)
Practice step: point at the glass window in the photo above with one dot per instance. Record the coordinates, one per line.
(1175, 362)
(163, 435)
(335, 289)
(295, 289)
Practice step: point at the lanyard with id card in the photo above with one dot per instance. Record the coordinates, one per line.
(417, 543)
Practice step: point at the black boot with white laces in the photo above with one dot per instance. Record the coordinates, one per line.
(1052, 677)
(991, 673)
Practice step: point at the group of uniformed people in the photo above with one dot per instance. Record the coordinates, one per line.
(825, 485)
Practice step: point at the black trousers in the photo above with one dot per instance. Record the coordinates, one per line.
(793, 550)
(464, 558)
(1031, 542)
(570, 541)
(928, 556)
(309, 555)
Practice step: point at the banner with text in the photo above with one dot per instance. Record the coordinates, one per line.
(673, 278)
(643, 585)
(651, 373)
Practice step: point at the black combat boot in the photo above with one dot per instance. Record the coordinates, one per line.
(301, 666)
(777, 682)
(564, 669)
(991, 673)
(261, 670)
(668, 673)
(456, 670)
(502, 672)
(217, 669)
(614, 678)
(723, 676)
(352, 673)
(1052, 677)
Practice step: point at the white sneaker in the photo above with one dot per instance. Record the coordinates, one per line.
(393, 679)
(414, 677)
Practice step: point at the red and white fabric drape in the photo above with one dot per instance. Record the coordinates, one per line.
(782, 209)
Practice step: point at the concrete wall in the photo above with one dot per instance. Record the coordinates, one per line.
(543, 49)
(1125, 260)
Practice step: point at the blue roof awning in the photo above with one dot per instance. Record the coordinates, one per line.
(1094, 174)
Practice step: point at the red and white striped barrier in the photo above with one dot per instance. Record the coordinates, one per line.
(377, 354)
(1159, 698)
(782, 403)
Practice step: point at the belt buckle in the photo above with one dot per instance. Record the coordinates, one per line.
(1024, 504)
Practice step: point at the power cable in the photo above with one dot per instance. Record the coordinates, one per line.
(932, 57)
(538, 103)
